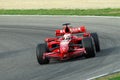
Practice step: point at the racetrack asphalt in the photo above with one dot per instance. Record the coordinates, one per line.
(19, 36)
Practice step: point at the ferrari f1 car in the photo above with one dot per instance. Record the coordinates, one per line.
(69, 42)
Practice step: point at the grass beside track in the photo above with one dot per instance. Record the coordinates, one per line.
(90, 12)
(115, 76)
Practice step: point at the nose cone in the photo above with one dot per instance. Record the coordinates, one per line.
(64, 50)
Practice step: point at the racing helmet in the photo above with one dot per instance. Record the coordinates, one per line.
(67, 36)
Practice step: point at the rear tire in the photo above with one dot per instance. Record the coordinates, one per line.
(40, 50)
(88, 44)
(96, 41)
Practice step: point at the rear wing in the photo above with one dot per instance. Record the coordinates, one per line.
(81, 29)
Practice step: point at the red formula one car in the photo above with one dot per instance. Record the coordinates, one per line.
(67, 45)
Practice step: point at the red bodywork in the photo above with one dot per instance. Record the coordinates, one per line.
(62, 49)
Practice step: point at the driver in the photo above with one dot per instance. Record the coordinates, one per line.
(67, 36)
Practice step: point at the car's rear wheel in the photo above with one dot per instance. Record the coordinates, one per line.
(96, 41)
(40, 50)
(88, 44)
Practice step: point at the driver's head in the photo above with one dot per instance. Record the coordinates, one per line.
(67, 36)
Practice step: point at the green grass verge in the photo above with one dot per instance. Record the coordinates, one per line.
(91, 12)
(115, 76)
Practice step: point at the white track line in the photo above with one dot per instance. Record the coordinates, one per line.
(66, 16)
(98, 76)
(104, 74)
(116, 71)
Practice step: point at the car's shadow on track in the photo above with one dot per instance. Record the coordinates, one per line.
(108, 51)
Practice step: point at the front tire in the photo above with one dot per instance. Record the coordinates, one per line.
(40, 50)
(96, 41)
(88, 44)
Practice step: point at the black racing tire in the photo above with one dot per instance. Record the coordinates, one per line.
(96, 41)
(46, 47)
(88, 44)
(40, 50)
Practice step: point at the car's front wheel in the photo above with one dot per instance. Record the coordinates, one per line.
(40, 50)
(96, 41)
(88, 44)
